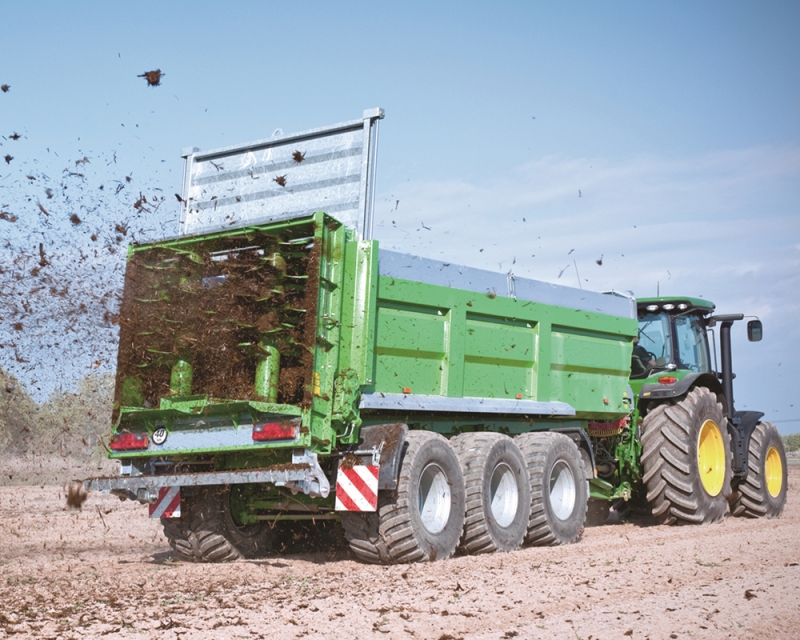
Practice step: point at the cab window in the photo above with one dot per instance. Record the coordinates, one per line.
(692, 351)
(654, 348)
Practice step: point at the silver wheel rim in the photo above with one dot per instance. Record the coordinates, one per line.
(504, 495)
(434, 498)
(562, 490)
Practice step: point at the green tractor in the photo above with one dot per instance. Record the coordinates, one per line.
(687, 453)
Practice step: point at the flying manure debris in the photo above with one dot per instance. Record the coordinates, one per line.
(153, 77)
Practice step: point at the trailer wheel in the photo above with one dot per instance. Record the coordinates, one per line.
(685, 456)
(559, 489)
(420, 521)
(207, 530)
(498, 495)
(762, 494)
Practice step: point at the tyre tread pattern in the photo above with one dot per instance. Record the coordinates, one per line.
(202, 533)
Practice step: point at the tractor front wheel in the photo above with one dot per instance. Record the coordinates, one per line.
(762, 493)
(686, 460)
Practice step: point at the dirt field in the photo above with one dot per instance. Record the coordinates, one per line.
(106, 571)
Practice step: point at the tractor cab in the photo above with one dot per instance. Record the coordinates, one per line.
(672, 337)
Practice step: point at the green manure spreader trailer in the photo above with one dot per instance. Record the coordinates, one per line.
(276, 364)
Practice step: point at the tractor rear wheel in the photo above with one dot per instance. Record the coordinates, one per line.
(498, 494)
(559, 489)
(422, 520)
(686, 459)
(207, 530)
(762, 493)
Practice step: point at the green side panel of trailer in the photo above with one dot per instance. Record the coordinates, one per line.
(432, 340)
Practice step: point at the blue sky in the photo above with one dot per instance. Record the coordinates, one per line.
(678, 123)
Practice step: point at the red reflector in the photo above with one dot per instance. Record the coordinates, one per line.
(519, 396)
(128, 441)
(274, 431)
(406, 390)
(667, 380)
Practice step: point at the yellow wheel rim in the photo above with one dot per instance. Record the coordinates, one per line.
(773, 470)
(711, 457)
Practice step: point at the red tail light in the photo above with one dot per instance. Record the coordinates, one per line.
(667, 380)
(274, 431)
(128, 441)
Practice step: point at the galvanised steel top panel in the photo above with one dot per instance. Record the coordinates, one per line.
(445, 274)
(287, 176)
(442, 404)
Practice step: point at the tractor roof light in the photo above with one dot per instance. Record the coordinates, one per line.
(652, 307)
(683, 306)
(668, 307)
(128, 441)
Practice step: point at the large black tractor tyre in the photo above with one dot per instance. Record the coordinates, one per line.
(207, 532)
(422, 520)
(498, 494)
(762, 493)
(686, 460)
(559, 489)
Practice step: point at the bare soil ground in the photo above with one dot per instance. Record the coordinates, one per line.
(106, 571)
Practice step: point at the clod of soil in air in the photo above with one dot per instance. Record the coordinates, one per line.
(76, 495)
(153, 77)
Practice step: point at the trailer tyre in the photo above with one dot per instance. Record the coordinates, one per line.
(208, 532)
(422, 520)
(686, 460)
(559, 489)
(762, 493)
(498, 496)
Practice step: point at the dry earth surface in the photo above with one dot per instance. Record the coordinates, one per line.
(106, 571)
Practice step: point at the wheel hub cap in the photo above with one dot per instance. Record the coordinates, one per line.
(434, 498)
(773, 472)
(562, 490)
(504, 495)
(711, 458)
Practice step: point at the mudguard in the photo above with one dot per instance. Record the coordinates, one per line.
(392, 437)
(680, 388)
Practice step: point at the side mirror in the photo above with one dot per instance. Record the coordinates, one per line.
(754, 330)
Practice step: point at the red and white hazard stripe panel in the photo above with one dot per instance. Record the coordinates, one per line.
(168, 504)
(357, 488)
